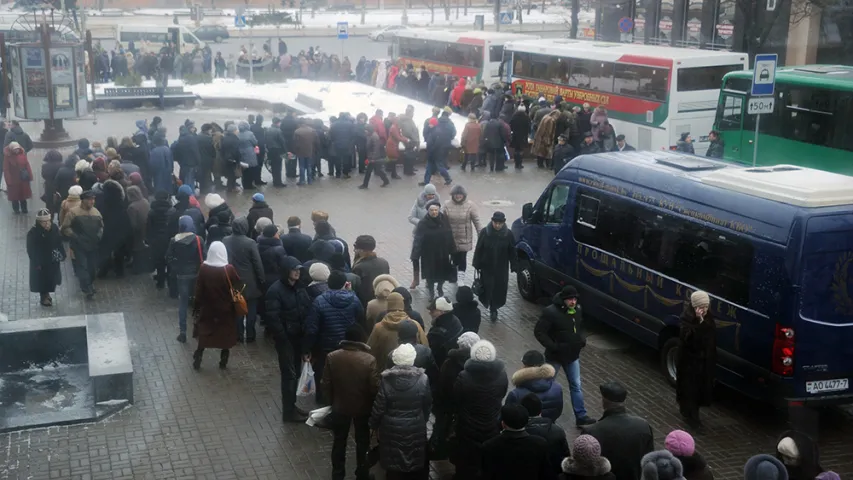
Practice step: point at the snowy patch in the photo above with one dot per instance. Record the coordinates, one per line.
(109, 403)
(3, 318)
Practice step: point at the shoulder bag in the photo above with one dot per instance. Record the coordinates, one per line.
(237, 298)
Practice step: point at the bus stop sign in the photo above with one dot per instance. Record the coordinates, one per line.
(764, 74)
(343, 30)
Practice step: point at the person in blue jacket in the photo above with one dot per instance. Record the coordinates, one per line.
(537, 377)
(162, 165)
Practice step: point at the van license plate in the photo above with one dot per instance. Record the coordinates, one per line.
(822, 386)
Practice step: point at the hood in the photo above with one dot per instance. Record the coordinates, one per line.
(458, 190)
(259, 120)
(161, 206)
(113, 191)
(462, 83)
(322, 250)
(340, 298)
(185, 238)
(693, 464)
(140, 124)
(17, 129)
(83, 144)
(808, 463)
(240, 226)
(537, 379)
(402, 378)
(288, 264)
(422, 201)
(407, 296)
(243, 126)
(393, 320)
(485, 371)
(53, 156)
(134, 194)
(383, 285)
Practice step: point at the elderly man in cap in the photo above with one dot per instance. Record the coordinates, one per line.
(367, 265)
(84, 227)
(494, 258)
(624, 438)
(589, 145)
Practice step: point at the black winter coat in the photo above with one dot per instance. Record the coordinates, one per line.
(478, 395)
(424, 360)
(448, 372)
(342, 135)
(213, 215)
(695, 467)
(514, 455)
(185, 150)
(494, 135)
(563, 154)
(158, 228)
(272, 257)
(432, 247)
(287, 307)
(367, 269)
(443, 334)
(400, 413)
(469, 316)
(45, 274)
(560, 333)
(185, 255)
(117, 229)
(555, 437)
(274, 139)
(65, 178)
(256, 211)
(217, 232)
(244, 256)
(697, 360)
(624, 440)
(520, 126)
(297, 244)
(206, 151)
(495, 257)
(229, 149)
(288, 125)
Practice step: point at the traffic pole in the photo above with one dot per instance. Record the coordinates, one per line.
(755, 141)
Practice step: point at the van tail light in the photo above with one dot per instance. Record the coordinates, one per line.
(783, 351)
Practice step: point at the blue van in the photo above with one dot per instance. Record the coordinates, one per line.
(637, 232)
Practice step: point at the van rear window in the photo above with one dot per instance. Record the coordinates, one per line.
(827, 292)
(714, 260)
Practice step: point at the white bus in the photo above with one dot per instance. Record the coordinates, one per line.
(476, 54)
(154, 37)
(652, 93)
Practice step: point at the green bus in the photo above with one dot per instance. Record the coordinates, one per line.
(811, 124)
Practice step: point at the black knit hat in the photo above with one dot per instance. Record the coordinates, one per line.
(533, 358)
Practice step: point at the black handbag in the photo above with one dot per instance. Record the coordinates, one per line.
(477, 287)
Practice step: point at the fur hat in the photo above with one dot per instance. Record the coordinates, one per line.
(395, 302)
(467, 340)
(404, 355)
(75, 191)
(661, 465)
(680, 443)
(213, 200)
(700, 299)
(82, 166)
(764, 467)
(586, 459)
(442, 305)
(484, 351)
(319, 272)
(383, 285)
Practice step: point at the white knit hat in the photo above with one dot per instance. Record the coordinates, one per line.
(81, 166)
(262, 223)
(213, 200)
(75, 190)
(484, 351)
(700, 299)
(467, 339)
(404, 355)
(319, 272)
(442, 305)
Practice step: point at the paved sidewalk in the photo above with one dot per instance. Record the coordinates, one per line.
(217, 424)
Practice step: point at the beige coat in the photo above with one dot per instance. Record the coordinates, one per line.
(67, 204)
(464, 221)
(383, 338)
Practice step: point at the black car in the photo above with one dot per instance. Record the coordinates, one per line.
(215, 33)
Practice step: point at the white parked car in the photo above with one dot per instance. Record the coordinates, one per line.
(386, 33)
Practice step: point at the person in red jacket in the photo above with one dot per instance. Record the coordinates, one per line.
(19, 175)
(378, 124)
(456, 95)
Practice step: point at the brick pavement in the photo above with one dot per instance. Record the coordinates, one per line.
(217, 424)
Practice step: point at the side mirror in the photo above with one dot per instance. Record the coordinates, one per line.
(526, 212)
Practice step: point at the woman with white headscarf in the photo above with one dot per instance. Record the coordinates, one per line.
(213, 306)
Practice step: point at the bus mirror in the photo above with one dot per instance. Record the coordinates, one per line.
(526, 212)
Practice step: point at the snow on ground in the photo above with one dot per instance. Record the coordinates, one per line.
(337, 97)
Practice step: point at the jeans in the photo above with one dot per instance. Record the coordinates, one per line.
(375, 167)
(251, 316)
(85, 268)
(573, 375)
(306, 169)
(275, 165)
(431, 168)
(186, 288)
(340, 430)
(188, 175)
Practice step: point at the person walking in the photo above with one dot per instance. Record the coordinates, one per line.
(84, 227)
(625, 439)
(184, 257)
(367, 266)
(332, 313)
(586, 462)
(432, 248)
(560, 331)
(46, 254)
(243, 254)
(462, 215)
(349, 383)
(697, 359)
(399, 417)
(537, 377)
(213, 307)
(478, 397)
(682, 446)
(445, 329)
(19, 176)
(417, 213)
(376, 158)
(287, 306)
(494, 258)
(515, 453)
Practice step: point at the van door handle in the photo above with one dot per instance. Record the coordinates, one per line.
(558, 240)
(750, 142)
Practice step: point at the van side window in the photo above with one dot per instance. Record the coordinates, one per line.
(557, 204)
(715, 260)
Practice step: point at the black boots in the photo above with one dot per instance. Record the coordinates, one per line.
(197, 358)
(223, 358)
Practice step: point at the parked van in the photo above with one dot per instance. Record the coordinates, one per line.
(156, 36)
(637, 232)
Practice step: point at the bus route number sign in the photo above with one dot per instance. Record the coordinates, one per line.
(760, 105)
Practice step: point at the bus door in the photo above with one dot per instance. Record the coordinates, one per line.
(730, 117)
(175, 38)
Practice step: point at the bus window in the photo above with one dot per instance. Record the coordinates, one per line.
(808, 115)
(496, 53)
(592, 74)
(641, 81)
(703, 78)
(730, 112)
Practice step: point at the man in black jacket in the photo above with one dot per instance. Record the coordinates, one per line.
(342, 137)
(186, 153)
(515, 453)
(287, 307)
(288, 126)
(564, 152)
(207, 155)
(229, 150)
(624, 438)
(559, 330)
(554, 435)
(257, 128)
(276, 148)
(295, 242)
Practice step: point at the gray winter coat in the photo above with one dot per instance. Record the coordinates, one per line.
(419, 209)
(400, 414)
(246, 145)
(243, 254)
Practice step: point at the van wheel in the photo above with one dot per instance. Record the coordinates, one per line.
(527, 286)
(669, 360)
(380, 38)
(218, 39)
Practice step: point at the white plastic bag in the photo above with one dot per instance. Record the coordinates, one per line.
(306, 386)
(318, 417)
(401, 146)
(506, 154)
